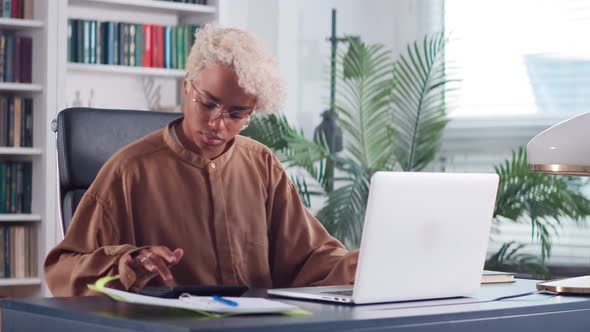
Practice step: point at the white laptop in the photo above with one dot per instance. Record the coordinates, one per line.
(425, 236)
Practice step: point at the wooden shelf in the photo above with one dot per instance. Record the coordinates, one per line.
(152, 5)
(19, 23)
(126, 70)
(19, 217)
(20, 87)
(11, 151)
(19, 281)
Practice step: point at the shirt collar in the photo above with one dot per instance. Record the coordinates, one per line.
(190, 156)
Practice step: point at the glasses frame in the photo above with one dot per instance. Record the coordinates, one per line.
(220, 111)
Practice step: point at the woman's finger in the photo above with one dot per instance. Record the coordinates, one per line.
(165, 253)
(156, 264)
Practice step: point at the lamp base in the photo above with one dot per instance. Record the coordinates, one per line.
(578, 285)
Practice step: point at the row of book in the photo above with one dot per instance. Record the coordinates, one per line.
(18, 251)
(16, 58)
(16, 186)
(16, 121)
(17, 9)
(128, 44)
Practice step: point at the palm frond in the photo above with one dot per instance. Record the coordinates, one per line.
(271, 130)
(510, 258)
(362, 102)
(540, 199)
(290, 145)
(344, 211)
(419, 109)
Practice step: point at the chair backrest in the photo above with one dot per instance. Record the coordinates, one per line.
(86, 139)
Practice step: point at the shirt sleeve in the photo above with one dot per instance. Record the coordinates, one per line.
(93, 247)
(302, 252)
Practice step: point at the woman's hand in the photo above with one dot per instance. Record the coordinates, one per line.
(156, 259)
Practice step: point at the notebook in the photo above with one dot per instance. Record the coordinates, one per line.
(207, 305)
(425, 236)
(494, 277)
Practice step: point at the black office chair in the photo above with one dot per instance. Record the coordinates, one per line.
(86, 138)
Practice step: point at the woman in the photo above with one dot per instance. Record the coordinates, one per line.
(195, 202)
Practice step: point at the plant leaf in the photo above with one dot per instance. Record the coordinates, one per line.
(419, 110)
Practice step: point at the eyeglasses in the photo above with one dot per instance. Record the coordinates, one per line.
(234, 120)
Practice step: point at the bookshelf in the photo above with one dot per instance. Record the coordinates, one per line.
(20, 282)
(28, 82)
(19, 24)
(12, 151)
(125, 70)
(58, 84)
(155, 6)
(19, 218)
(20, 87)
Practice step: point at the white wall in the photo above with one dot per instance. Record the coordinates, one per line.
(296, 31)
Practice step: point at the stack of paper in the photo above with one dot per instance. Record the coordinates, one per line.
(242, 305)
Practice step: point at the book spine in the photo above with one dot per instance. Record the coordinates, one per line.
(28, 9)
(180, 47)
(92, 41)
(29, 122)
(122, 45)
(7, 184)
(17, 59)
(2, 253)
(146, 61)
(9, 60)
(13, 181)
(3, 182)
(98, 42)
(79, 41)
(17, 122)
(132, 44)
(28, 60)
(3, 121)
(110, 40)
(2, 55)
(7, 253)
(20, 186)
(116, 27)
(86, 40)
(6, 10)
(139, 44)
(15, 9)
(10, 122)
(28, 187)
(174, 46)
(70, 41)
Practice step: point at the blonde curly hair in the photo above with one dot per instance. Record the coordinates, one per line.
(256, 68)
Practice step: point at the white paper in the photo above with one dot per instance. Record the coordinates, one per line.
(206, 303)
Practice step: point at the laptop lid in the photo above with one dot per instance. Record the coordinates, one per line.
(425, 235)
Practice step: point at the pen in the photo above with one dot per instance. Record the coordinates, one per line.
(224, 301)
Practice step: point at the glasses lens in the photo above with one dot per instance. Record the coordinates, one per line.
(235, 120)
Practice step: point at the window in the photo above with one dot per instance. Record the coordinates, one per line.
(524, 65)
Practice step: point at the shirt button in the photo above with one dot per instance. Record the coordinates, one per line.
(212, 165)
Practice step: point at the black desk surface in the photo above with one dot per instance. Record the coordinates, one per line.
(531, 313)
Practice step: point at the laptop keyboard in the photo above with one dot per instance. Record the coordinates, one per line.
(344, 292)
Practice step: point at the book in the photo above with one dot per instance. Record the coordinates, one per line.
(207, 305)
(492, 277)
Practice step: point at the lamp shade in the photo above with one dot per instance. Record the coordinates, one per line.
(563, 148)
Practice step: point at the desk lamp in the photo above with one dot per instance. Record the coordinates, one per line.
(563, 149)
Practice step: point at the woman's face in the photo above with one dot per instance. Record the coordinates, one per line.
(215, 110)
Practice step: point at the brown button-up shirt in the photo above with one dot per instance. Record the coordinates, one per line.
(238, 218)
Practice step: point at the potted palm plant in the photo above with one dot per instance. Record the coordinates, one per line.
(393, 114)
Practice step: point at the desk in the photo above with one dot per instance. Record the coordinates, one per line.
(532, 313)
